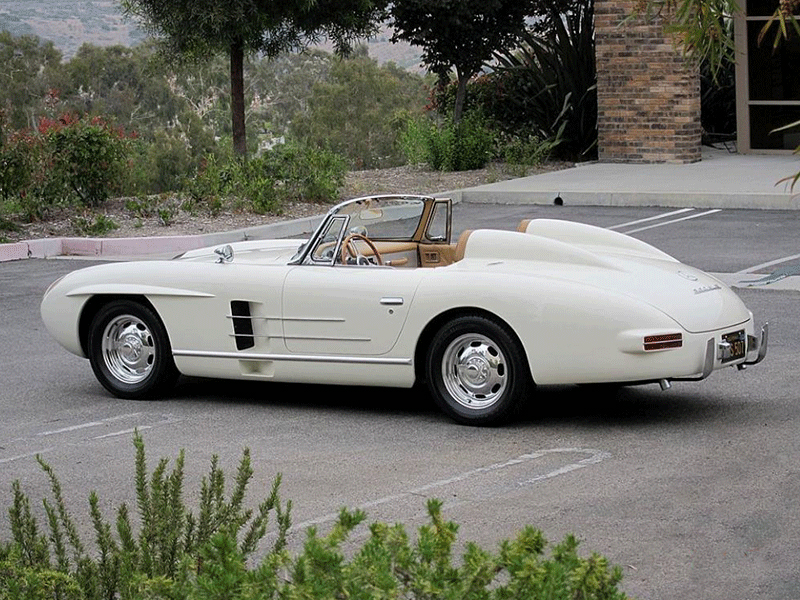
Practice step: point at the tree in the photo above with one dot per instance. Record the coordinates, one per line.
(200, 28)
(124, 84)
(460, 34)
(25, 80)
(354, 112)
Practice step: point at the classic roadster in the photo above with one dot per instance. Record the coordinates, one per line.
(380, 295)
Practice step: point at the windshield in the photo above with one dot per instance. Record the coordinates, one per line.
(395, 218)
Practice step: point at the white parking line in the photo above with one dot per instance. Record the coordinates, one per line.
(702, 214)
(26, 455)
(123, 432)
(165, 419)
(594, 457)
(89, 424)
(655, 218)
(777, 261)
(72, 428)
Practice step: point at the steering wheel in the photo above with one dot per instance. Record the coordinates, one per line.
(349, 248)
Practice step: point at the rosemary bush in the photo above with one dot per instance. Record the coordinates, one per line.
(208, 555)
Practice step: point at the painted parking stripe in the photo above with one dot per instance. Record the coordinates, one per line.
(592, 457)
(655, 218)
(71, 428)
(702, 214)
(26, 455)
(165, 419)
(123, 432)
(89, 424)
(771, 263)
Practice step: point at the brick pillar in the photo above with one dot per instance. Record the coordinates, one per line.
(648, 97)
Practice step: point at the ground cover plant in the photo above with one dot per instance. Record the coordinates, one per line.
(213, 552)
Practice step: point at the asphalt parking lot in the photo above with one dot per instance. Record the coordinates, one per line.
(692, 491)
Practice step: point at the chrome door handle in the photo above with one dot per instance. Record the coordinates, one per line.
(391, 301)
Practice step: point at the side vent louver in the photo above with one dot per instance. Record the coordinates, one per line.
(242, 324)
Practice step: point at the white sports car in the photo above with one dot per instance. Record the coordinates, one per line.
(380, 296)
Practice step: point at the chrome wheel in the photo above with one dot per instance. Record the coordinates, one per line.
(474, 371)
(128, 349)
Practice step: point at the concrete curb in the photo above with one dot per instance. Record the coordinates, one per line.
(145, 246)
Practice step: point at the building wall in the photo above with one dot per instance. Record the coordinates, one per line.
(648, 97)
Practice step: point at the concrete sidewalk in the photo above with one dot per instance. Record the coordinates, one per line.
(720, 180)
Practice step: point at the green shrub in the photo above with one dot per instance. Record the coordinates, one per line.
(161, 164)
(451, 146)
(413, 139)
(142, 206)
(178, 554)
(287, 173)
(166, 554)
(6, 225)
(17, 160)
(88, 159)
(305, 173)
(66, 161)
(527, 150)
(97, 227)
(27, 184)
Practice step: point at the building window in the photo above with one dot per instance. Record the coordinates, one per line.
(767, 82)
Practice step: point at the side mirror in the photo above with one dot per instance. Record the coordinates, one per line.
(225, 254)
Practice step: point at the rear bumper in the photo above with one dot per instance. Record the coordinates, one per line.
(718, 351)
(757, 346)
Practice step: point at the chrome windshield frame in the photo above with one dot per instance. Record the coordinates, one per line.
(304, 252)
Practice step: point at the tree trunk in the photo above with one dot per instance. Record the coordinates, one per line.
(461, 94)
(237, 99)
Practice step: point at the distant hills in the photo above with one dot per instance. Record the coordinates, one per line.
(70, 23)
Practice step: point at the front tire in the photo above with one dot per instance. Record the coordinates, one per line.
(129, 351)
(476, 371)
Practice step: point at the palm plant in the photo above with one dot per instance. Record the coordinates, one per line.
(549, 84)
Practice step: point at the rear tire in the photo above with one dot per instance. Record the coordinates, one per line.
(476, 371)
(129, 351)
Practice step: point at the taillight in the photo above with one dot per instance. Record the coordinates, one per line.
(663, 342)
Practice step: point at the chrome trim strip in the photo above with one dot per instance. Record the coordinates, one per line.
(278, 336)
(252, 317)
(294, 319)
(324, 338)
(248, 335)
(313, 319)
(294, 358)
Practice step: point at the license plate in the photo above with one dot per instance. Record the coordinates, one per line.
(737, 346)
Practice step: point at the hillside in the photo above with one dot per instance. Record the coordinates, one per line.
(70, 23)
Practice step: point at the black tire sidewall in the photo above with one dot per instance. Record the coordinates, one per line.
(163, 374)
(517, 371)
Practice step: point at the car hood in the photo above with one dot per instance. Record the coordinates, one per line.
(697, 301)
(251, 252)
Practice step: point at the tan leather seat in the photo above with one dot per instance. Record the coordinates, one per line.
(461, 246)
(523, 225)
